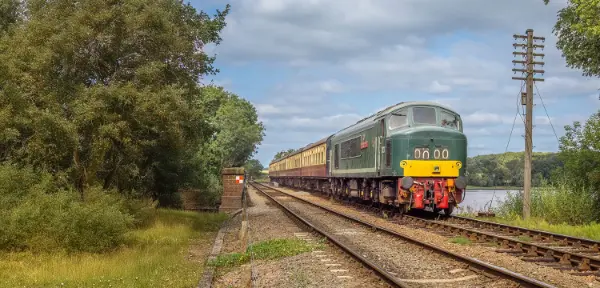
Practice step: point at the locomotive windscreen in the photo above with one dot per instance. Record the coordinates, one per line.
(424, 115)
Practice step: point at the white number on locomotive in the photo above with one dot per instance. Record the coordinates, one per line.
(438, 153)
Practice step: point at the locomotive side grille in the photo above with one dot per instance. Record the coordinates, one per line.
(388, 153)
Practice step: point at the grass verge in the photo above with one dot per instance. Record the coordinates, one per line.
(170, 253)
(266, 250)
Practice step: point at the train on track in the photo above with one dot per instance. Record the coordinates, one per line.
(411, 155)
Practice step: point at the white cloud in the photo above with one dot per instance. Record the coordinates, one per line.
(477, 132)
(328, 123)
(447, 51)
(438, 88)
(266, 110)
(543, 120)
(331, 86)
(481, 118)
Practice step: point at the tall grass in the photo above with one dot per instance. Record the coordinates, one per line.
(556, 204)
(155, 256)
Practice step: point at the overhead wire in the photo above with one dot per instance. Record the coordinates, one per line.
(508, 142)
(546, 110)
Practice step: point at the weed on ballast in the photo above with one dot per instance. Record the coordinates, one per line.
(230, 260)
(300, 279)
(265, 250)
(524, 238)
(460, 240)
(279, 248)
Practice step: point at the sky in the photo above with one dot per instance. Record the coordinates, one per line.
(313, 67)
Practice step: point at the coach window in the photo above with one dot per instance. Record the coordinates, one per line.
(424, 115)
(449, 120)
(398, 119)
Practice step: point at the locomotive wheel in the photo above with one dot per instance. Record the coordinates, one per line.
(404, 208)
(448, 211)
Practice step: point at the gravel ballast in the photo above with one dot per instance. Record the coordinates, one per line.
(266, 222)
(486, 254)
(408, 262)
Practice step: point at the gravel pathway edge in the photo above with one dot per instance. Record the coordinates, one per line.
(209, 271)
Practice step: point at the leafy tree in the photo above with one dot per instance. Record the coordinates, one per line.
(236, 131)
(254, 168)
(580, 151)
(578, 31)
(106, 93)
(283, 153)
(10, 12)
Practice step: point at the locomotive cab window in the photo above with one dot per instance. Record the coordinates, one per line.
(424, 115)
(450, 120)
(398, 119)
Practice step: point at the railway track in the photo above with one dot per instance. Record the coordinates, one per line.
(386, 276)
(562, 252)
(491, 272)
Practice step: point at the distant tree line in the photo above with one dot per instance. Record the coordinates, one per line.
(506, 169)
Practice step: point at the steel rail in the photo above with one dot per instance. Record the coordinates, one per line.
(584, 263)
(382, 273)
(490, 268)
(535, 234)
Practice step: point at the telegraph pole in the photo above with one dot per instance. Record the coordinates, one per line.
(528, 63)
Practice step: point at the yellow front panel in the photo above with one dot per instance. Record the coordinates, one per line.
(431, 168)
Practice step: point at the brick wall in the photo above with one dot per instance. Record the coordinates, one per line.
(231, 200)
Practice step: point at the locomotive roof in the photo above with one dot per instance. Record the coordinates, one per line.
(370, 119)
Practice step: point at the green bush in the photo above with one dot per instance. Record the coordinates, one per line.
(558, 203)
(38, 216)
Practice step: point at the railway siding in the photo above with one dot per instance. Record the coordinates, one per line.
(544, 274)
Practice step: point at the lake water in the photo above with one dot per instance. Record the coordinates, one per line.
(480, 200)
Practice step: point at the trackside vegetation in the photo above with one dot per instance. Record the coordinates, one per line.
(569, 202)
(105, 115)
(265, 250)
(170, 252)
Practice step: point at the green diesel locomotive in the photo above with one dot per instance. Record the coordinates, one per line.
(411, 155)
